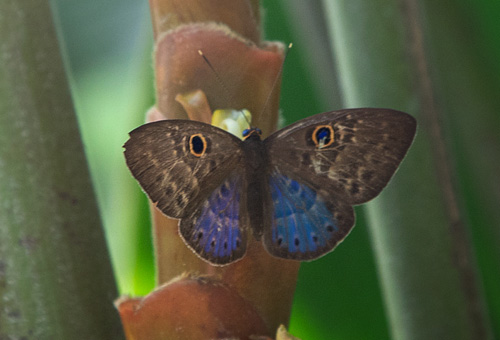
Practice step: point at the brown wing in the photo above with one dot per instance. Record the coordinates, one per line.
(320, 167)
(355, 163)
(178, 163)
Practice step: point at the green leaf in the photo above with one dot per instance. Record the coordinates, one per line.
(56, 280)
(112, 82)
(387, 58)
(340, 291)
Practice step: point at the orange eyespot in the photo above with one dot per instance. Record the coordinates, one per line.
(323, 136)
(197, 145)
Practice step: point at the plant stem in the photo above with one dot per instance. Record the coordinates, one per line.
(419, 235)
(56, 281)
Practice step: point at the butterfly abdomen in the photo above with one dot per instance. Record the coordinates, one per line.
(256, 162)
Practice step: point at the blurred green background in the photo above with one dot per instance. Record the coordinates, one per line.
(108, 48)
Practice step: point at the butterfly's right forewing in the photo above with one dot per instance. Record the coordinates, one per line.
(365, 149)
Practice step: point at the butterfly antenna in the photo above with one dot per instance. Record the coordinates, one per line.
(266, 103)
(221, 83)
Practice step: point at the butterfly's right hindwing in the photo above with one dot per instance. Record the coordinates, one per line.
(178, 163)
(305, 224)
(321, 166)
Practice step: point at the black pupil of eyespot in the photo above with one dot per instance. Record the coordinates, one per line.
(323, 135)
(197, 144)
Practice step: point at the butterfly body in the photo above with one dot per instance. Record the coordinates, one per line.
(294, 190)
(256, 163)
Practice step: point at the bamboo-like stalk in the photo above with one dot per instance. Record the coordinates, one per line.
(56, 281)
(248, 71)
(419, 235)
(466, 87)
(228, 33)
(341, 291)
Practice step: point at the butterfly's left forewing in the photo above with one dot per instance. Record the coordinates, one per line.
(321, 166)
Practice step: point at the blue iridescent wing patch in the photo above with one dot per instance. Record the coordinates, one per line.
(304, 226)
(214, 233)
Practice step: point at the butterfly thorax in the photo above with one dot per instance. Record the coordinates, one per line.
(256, 160)
(251, 132)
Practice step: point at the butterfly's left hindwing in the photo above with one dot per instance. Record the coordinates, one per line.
(320, 166)
(215, 231)
(192, 171)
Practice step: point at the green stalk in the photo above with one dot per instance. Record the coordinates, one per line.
(419, 235)
(340, 291)
(56, 281)
(467, 83)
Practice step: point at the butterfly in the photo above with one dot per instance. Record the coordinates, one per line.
(294, 190)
